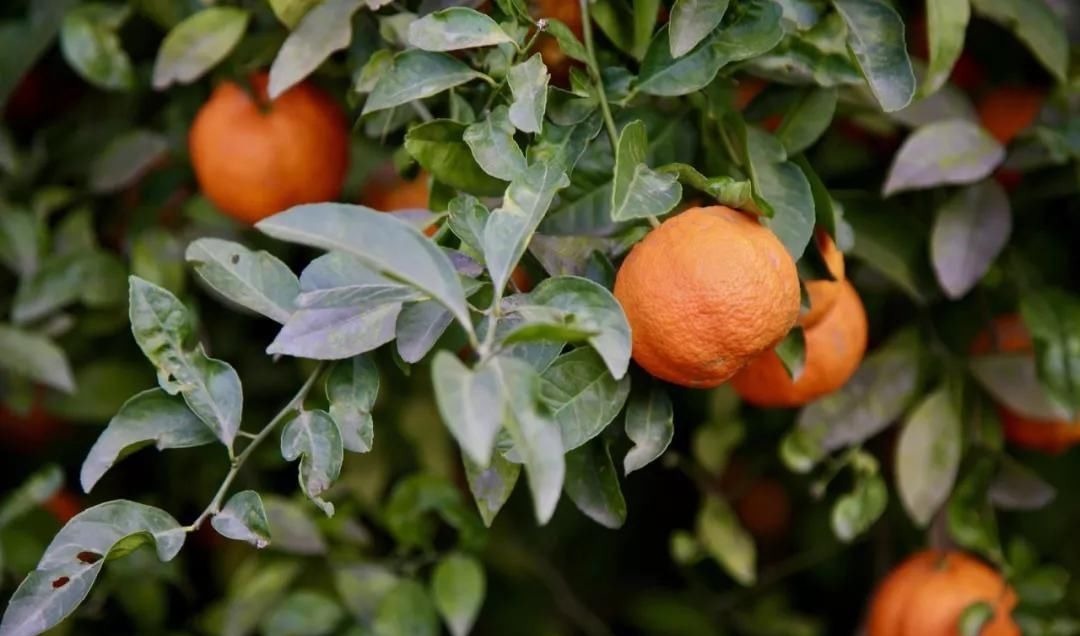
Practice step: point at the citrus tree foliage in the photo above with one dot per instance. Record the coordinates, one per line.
(401, 373)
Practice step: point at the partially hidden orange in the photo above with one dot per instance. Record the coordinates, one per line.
(705, 293)
(823, 292)
(834, 349)
(1007, 111)
(254, 157)
(387, 191)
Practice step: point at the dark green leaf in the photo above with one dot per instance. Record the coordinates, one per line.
(593, 485)
(151, 417)
(362, 587)
(975, 617)
(243, 518)
(928, 456)
(564, 145)
(1043, 586)
(314, 439)
(493, 146)
(417, 74)
(946, 23)
(807, 119)
(639, 191)
(692, 21)
(528, 83)
(290, 11)
(352, 388)
(582, 395)
(326, 28)
(792, 352)
(781, 187)
(198, 44)
(650, 425)
(943, 153)
(467, 219)
(1017, 487)
(455, 28)
(876, 38)
(971, 520)
(125, 159)
(35, 357)
(1036, 25)
(258, 281)
(440, 148)
(406, 610)
(568, 42)
(20, 240)
(303, 612)
(1053, 317)
(293, 531)
(458, 587)
(970, 230)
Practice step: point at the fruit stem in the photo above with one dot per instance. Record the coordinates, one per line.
(294, 404)
(594, 71)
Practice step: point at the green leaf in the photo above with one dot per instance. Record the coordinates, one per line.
(582, 395)
(58, 282)
(1053, 317)
(458, 587)
(928, 456)
(339, 279)
(243, 518)
(470, 404)
(1043, 586)
(210, 387)
(293, 531)
(326, 28)
(856, 511)
(781, 187)
(150, 417)
(975, 616)
(455, 28)
(692, 21)
(727, 542)
(419, 326)
(290, 11)
(406, 610)
(1017, 487)
(1036, 25)
(258, 281)
(27, 40)
(35, 357)
(544, 324)
(125, 159)
(528, 83)
(807, 119)
(91, 46)
(567, 40)
(20, 240)
(336, 333)
(756, 30)
(260, 586)
(638, 191)
(1013, 380)
(792, 352)
(535, 434)
(198, 44)
(467, 217)
(970, 517)
(946, 23)
(362, 587)
(493, 146)
(417, 74)
(75, 556)
(303, 613)
(970, 230)
(510, 227)
(891, 243)
(595, 309)
(645, 14)
(379, 241)
(440, 148)
(876, 39)
(650, 425)
(407, 513)
(352, 387)
(491, 486)
(948, 152)
(36, 490)
(314, 439)
(593, 485)
(564, 145)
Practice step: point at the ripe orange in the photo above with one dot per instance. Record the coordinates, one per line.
(63, 505)
(705, 293)
(765, 509)
(926, 594)
(823, 292)
(387, 191)
(1007, 111)
(254, 158)
(749, 87)
(834, 349)
(33, 431)
(1007, 334)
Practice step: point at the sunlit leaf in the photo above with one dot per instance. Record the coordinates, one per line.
(528, 83)
(876, 38)
(638, 191)
(492, 144)
(90, 44)
(455, 28)
(417, 74)
(243, 518)
(255, 280)
(726, 541)
(470, 403)
(692, 21)
(928, 456)
(946, 23)
(198, 44)
(325, 28)
(457, 588)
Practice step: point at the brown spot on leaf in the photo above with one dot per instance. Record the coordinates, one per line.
(88, 557)
(60, 582)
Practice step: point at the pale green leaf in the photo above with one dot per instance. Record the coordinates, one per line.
(243, 518)
(352, 387)
(326, 28)
(198, 44)
(314, 439)
(258, 281)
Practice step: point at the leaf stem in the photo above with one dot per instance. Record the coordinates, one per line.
(594, 71)
(294, 404)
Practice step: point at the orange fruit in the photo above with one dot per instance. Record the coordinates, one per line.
(569, 13)
(1007, 111)
(521, 279)
(387, 191)
(765, 509)
(834, 349)
(926, 594)
(749, 87)
(63, 505)
(253, 157)
(1007, 334)
(705, 293)
(33, 431)
(823, 292)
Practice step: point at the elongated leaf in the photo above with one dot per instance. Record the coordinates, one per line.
(638, 191)
(726, 541)
(510, 228)
(455, 28)
(440, 148)
(1053, 317)
(564, 145)
(74, 559)
(326, 28)
(1017, 487)
(780, 186)
(314, 439)
(406, 610)
(692, 21)
(593, 485)
(582, 395)
(92, 48)
(807, 119)
(535, 435)
(151, 417)
(458, 587)
(125, 159)
(243, 518)
(198, 44)
(946, 22)
(876, 38)
(210, 387)
(290, 11)
(528, 83)
(928, 456)
(338, 280)
(470, 404)
(417, 74)
(943, 153)
(255, 280)
(1013, 380)
(35, 357)
(36, 490)
(352, 388)
(649, 425)
(491, 486)
(492, 144)
(970, 230)
(336, 333)
(419, 326)
(1036, 25)
(303, 612)
(380, 242)
(594, 308)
